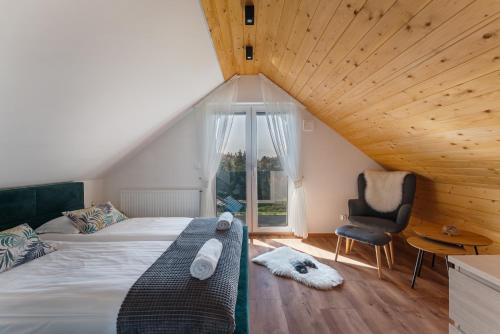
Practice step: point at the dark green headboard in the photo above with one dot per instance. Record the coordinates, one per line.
(36, 205)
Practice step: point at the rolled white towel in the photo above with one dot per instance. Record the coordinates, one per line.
(224, 221)
(206, 260)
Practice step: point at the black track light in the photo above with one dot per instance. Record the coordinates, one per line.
(249, 15)
(249, 52)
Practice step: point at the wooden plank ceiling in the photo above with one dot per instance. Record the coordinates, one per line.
(412, 83)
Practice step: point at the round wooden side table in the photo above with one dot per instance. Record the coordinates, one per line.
(426, 245)
(464, 238)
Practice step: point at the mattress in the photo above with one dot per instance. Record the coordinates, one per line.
(77, 289)
(133, 229)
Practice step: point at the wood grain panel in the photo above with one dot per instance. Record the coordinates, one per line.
(414, 84)
(224, 55)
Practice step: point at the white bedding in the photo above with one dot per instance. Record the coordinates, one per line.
(133, 229)
(77, 289)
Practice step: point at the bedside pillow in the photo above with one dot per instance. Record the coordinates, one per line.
(19, 245)
(62, 225)
(89, 220)
(109, 209)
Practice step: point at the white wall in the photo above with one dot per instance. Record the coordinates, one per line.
(93, 192)
(331, 165)
(170, 161)
(82, 83)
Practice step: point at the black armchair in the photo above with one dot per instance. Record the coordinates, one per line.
(361, 214)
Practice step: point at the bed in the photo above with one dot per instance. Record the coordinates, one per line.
(80, 287)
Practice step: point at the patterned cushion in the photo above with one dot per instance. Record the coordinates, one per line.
(109, 209)
(89, 220)
(19, 245)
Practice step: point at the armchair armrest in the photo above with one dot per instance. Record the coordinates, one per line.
(404, 214)
(357, 207)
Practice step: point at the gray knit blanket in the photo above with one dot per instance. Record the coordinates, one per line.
(167, 299)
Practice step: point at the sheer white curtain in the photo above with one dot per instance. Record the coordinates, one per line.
(215, 118)
(284, 121)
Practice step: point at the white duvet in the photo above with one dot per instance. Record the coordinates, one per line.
(77, 289)
(133, 229)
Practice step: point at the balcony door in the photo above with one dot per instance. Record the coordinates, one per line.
(250, 181)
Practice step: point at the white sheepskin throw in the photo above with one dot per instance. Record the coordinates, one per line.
(384, 190)
(279, 262)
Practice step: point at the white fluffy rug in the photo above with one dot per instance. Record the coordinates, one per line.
(384, 190)
(278, 261)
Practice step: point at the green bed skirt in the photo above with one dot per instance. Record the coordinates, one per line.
(242, 307)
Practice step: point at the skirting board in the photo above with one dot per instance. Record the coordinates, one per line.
(289, 235)
(273, 235)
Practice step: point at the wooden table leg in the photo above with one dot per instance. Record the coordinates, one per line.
(475, 250)
(418, 264)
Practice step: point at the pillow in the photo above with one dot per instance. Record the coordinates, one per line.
(89, 220)
(109, 209)
(19, 245)
(61, 224)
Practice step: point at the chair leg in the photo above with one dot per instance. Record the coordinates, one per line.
(347, 245)
(350, 245)
(391, 247)
(388, 256)
(377, 254)
(339, 244)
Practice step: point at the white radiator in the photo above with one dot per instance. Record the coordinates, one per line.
(160, 202)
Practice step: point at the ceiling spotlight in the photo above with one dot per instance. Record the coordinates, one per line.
(249, 15)
(249, 52)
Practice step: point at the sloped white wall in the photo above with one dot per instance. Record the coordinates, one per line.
(331, 165)
(82, 83)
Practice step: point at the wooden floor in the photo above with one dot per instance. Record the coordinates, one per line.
(364, 304)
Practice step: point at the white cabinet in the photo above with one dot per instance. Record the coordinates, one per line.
(475, 294)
